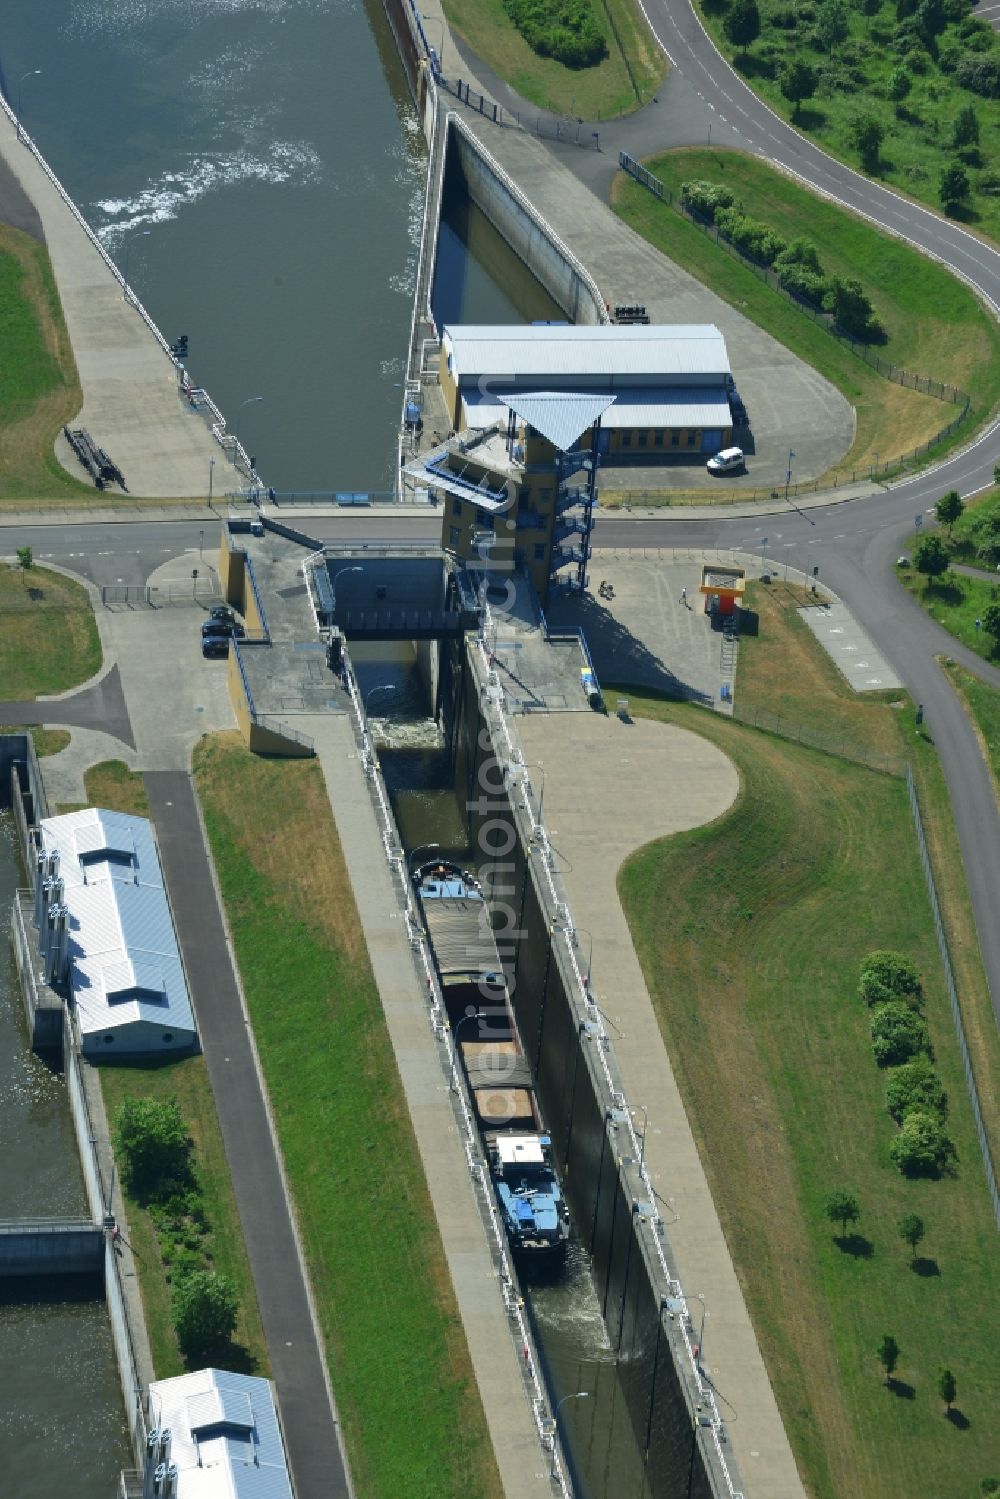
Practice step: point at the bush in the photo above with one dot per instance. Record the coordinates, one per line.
(852, 311)
(980, 75)
(753, 238)
(564, 29)
(152, 1146)
(898, 1033)
(706, 198)
(206, 1306)
(888, 975)
(922, 1147)
(915, 1086)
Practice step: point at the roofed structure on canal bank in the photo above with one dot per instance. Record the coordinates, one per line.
(665, 387)
(220, 1432)
(105, 930)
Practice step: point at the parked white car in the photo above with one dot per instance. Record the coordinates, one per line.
(729, 461)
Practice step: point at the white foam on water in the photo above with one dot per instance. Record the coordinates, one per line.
(173, 191)
(118, 17)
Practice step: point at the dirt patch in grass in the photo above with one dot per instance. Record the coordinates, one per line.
(186, 1081)
(750, 933)
(48, 635)
(405, 1388)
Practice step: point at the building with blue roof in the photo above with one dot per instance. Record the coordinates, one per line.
(106, 933)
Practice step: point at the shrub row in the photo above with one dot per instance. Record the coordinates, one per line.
(796, 263)
(914, 1096)
(156, 1159)
(567, 30)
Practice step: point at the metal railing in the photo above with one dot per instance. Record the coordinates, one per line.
(956, 1011)
(478, 1170)
(561, 924)
(830, 744)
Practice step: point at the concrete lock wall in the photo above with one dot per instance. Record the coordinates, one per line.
(55, 1250)
(524, 229)
(574, 1102)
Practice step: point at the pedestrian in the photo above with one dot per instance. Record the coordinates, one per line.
(684, 597)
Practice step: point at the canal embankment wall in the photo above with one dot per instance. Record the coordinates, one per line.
(677, 1423)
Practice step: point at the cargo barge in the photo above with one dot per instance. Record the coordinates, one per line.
(488, 1048)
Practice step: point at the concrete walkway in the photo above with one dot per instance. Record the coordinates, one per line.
(131, 403)
(312, 1435)
(592, 768)
(488, 1329)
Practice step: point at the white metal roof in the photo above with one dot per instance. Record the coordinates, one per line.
(522, 353)
(520, 1150)
(677, 407)
(225, 1437)
(561, 416)
(125, 966)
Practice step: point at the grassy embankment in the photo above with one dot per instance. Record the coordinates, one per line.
(934, 324)
(627, 78)
(750, 932)
(48, 635)
(111, 784)
(400, 1367)
(953, 599)
(854, 79)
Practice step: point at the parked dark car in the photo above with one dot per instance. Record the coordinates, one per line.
(221, 612)
(215, 645)
(223, 627)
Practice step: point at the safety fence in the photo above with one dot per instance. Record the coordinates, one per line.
(553, 893)
(471, 97)
(889, 370)
(478, 1168)
(829, 744)
(196, 396)
(956, 1011)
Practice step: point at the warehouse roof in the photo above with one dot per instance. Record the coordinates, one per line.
(225, 1436)
(524, 353)
(561, 416)
(124, 961)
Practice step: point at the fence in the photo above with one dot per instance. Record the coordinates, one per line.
(949, 977)
(830, 744)
(927, 386)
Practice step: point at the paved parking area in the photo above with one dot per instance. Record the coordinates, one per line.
(851, 650)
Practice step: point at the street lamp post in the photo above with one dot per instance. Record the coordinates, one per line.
(577, 1395)
(31, 73)
(701, 1329)
(541, 794)
(645, 1126)
(590, 950)
(339, 574)
(250, 401)
(143, 234)
(382, 687)
(788, 472)
(469, 1015)
(211, 478)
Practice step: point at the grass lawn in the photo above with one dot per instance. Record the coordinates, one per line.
(111, 784)
(48, 635)
(627, 77)
(186, 1081)
(854, 80)
(956, 602)
(934, 324)
(39, 387)
(983, 703)
(407, 1396)
(47, 741)
(750, 932)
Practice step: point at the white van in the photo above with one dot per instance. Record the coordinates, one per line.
(729, 461)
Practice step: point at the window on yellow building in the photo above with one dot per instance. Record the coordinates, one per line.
(675, 438)
(626, 438)
(658, 438)
(643, 438)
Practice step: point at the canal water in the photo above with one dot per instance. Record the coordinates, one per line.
(566, 1317)
(62, 1421)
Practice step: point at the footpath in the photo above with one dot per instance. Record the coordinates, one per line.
(132, 405)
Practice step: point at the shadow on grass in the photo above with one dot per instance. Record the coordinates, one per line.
(945, 590)
(855, 1245)
(224, 1355)
(925, 1267)
(957, 1418)
(752, 66)
(900, 1388)
(810, 119)
(749, 622)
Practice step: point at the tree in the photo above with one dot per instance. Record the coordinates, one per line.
(888, 975)
(25, 558)
(931, 20)
(866, 134)
(741, 23)
(953, 186)
(152, 1144)
(991, 621)
(915, 1086)
(852, 310)
(888, 1354)
(922, 1147)
(899, 84)
(947, 1387)
(898, 1033)
(911, 1231)
(930, 556)
(832, 25)
(842, 1207)
(949, 508)
(965, 130)
(797, 81)
(206, 1306)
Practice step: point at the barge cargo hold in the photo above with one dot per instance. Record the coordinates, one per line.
(488, 1048)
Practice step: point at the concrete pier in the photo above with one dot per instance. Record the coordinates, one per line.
(48, 1247)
